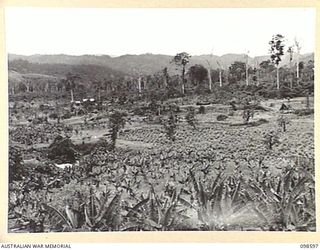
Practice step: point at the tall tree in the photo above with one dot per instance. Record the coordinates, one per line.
(256, 72)
(220, 73)
(237, 70)
(138, 74)
(247, 68)
(209, 75)
(182, 59)
(266, 66)
(298, 48)
(309, 69)
(71, 84)
(276, 51)
(165, 77)
(290, 51)
(198, 73)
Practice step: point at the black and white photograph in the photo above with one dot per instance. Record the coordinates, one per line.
(160, 119)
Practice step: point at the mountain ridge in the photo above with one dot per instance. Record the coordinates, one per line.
(148, 63)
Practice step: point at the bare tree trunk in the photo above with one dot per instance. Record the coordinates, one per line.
(182, 84)
(182, 88)
(257, 72)
(247, 70)
(308, 100)
(71, 93)
(139, 84)
(247, 74)
(220, 74)
(209, 78)
(291, 77)
(298, 75)
(278, 81)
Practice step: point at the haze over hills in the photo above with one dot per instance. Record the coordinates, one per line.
(145, 63)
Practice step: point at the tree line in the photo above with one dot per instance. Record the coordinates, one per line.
(197, 77)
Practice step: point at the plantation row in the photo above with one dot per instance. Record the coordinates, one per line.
(110, 192)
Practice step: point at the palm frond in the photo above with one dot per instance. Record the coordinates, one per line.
(136, 207)
(57, 219)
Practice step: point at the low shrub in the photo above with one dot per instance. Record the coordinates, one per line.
(222, 117)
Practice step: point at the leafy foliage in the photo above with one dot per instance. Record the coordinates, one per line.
(191, 117)
(170, 125)
(276, 48)
(16, 170)
(267, 66)
(117, 121)
(197, 73)
(283, 202)
(62, 150)
(237, 71)
(270, 139)
(182, 59)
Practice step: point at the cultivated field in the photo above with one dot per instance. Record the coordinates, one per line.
(221, 174)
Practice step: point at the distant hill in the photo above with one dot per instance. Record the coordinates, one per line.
(60, 70)
(135, 64)
(128, 64)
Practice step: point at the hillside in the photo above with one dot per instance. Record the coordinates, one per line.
(86, 72)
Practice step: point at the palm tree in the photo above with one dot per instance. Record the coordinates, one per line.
(182, 59)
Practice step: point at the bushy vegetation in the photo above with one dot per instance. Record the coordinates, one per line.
(16, 171)
(135, 200)
(170, 125)
(62, 150)
(116, 122)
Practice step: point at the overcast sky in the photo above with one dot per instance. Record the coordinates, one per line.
(159, 31)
